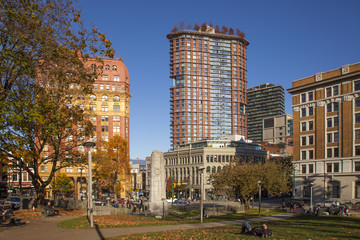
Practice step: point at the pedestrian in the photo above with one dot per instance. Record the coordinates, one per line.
(134, 210)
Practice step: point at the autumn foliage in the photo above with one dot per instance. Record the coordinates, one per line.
(112, 165)
(240, 178)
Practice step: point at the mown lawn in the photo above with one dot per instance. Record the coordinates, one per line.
(104, 221)
(305, 227)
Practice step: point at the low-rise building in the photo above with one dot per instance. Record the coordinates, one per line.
(183, 163)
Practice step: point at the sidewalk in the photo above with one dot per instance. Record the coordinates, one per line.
(45, 229)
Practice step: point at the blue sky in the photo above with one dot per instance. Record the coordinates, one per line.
(289, 40)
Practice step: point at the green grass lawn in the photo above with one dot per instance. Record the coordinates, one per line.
(305, 227)
(181, 218)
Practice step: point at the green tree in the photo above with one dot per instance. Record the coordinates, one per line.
(62, 184)
(240, 178)
(112, 165)
(44, 50)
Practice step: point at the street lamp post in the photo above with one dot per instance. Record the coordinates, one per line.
(259, 184)
(201, 169)
(90, 144)
(311, 198)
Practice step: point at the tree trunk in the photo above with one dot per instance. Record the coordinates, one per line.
(40, 194)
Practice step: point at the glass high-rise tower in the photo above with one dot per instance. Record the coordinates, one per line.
(208, 94)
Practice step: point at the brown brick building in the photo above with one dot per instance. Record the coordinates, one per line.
(326, 134)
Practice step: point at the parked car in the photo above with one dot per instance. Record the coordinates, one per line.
(171, 200)
(181, 201)
(328, 203)
(98, 202)
(14, 201)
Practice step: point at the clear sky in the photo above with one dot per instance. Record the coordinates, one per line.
(289, 40)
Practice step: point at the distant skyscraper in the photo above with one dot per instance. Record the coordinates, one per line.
(208, 95)
(265, 100)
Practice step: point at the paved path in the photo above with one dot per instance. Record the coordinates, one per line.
(47, 229)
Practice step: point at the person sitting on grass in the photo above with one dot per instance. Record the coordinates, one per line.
(261, 231)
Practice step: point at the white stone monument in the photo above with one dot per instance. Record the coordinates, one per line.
(157, 204)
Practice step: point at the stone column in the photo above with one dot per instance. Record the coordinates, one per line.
(157, 184)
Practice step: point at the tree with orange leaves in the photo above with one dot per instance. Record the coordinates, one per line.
(112, 169)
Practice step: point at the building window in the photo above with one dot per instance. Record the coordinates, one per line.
(357, 134)
(104, 108)
(357, 189)
(107, 67)
(357, 150)
(336, 106)
(357, 85)
(311, 96)
(114, 67)
(303, 141)
(104, 98)
(357, 166)
(329, 167)
(328, 92)
(336, 152)
(357, 118)
(336, 90)
(303, 97)
(116, 108)
(105, 78)
(104, 118)
(357, 102)
(329, 137)
(116, 118)
(336, 167)
(93, 97)
(311, 140)
(336, 121)
(336, 137)
(93, 67)
(92, 107)
(116, 129)
(311, 111)
(116, 98)
(311, 154)
(311, 125)
(104, 128)
(116, 78)
(329, 122)
(329, 152)
(303, 126)
(303, 155)
(303, 168)
(333, 189)
(303, 112)
(311, 168)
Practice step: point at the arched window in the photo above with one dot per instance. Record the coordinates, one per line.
(93, 67)
(114, 67)
(219, 169)
(93, 97)
(208, 169)
(104, 98)
(107, 67)
(213, 169)
(116, 98)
